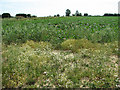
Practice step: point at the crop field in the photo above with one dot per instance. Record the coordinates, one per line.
(68, 52)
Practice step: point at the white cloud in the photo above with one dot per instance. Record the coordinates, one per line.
(51, 7)
(19, 0)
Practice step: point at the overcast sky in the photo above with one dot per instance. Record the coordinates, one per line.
(52, 7)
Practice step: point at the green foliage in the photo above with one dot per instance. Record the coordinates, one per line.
(68, 12)
(77, 13)
(69, 44)
(31, 61)
(21, 64)
(56, 30)
(29, 66)
(75, 45)
(39, 45)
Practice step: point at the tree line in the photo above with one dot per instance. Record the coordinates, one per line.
(7, 15)
(110, 14)
(67, 13)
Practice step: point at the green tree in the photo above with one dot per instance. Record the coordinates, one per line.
(6, 15)
(68, 12)
(29, 15)
(73, 14)
(80, 14)
(85, 14)
(77, 13)
(58, 15)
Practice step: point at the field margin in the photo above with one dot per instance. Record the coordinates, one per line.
(0, 53)
(119, 43)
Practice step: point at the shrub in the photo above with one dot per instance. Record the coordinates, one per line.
(74, 45)
(69, 44)
(39, 45)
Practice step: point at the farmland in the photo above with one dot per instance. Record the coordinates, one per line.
(69, 52)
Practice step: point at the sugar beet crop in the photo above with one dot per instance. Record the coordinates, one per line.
(69, 52)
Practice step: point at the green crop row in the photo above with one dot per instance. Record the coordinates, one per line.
(56, 30)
